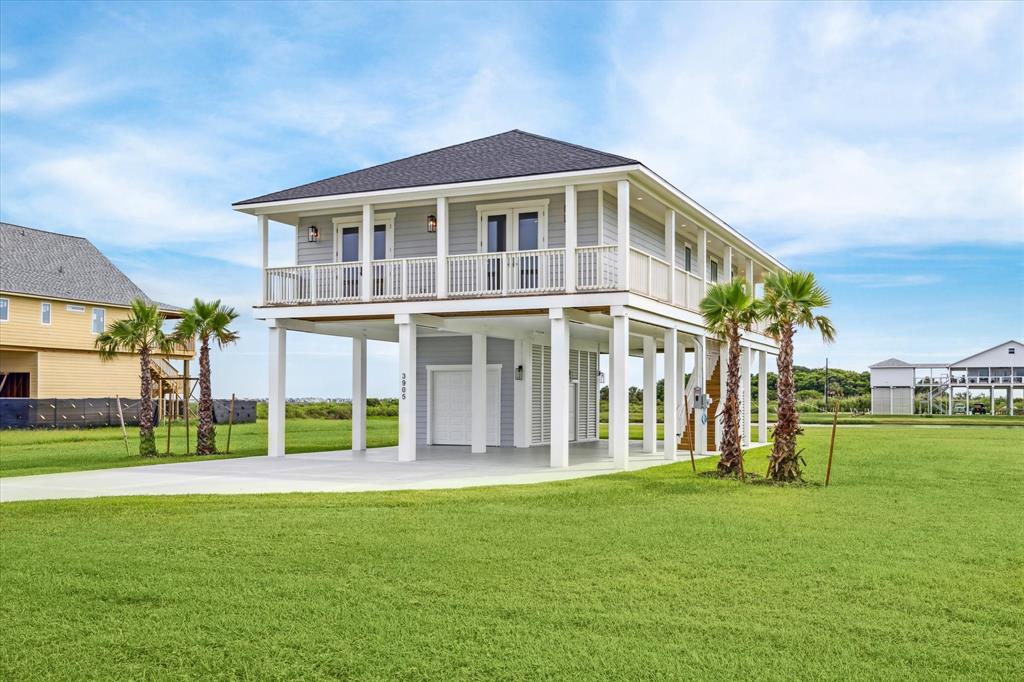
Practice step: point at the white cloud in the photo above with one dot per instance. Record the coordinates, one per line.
(53, 92)
(886, 281)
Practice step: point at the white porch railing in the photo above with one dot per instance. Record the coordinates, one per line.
(321, 283)
(649, 275)
(539, 271)
(597, 267)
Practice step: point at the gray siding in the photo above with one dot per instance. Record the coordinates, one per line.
(411, 236)
(646, 234)
(458, 350)
(318, 252)
(586, 218)
(611, 219)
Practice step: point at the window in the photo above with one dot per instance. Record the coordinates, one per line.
(1012, 351)
(75, 308)
(99, 320)
(380, 242)
(4, 309)
(529, 231)
(496, 234)
(349, 244)
(714, 271)
(44, 312)
(687, 259)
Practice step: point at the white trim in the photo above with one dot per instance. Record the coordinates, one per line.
(46, 306)
(74, 308)
(512, 211)
(430, 398)
(6, 309)
(342, 222)
(92, 320)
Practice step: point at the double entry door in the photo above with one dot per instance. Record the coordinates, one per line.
(348, 249)
(512, 230)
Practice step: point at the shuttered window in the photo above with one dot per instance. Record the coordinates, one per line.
(583, 366)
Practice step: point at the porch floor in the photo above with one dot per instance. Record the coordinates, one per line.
(336, 471)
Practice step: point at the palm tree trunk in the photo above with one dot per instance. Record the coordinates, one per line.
(206, 436)
(731, 461)
(147, 439)
(785, 464)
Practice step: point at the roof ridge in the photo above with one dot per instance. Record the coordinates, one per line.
(572, 144)
(36, 229)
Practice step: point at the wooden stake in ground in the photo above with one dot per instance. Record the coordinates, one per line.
(124, 431)
(231, 420)
(832, 444)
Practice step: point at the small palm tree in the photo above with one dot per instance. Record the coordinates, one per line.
(142, 333)
(728, 308)
(790, 301)
(207, 320)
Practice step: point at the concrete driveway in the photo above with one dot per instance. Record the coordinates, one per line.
(339, 471)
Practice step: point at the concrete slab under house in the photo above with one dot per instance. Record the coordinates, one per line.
(504, 268)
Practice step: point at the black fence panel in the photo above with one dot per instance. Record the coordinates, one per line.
(67, 413)
(245, 411)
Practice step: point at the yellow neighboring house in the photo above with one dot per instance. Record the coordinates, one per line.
(57, 292)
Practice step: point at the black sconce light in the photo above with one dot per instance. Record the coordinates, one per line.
(519, 373)
(431, 223)
(313, 234)
(600, 377)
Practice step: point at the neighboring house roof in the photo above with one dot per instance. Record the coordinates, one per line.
(41, 263)
(998, 345)
(890, 363)
(506, 155)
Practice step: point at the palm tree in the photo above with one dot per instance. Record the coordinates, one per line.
(790, 301)
(142, 333)
(728, 308)
(207, 320)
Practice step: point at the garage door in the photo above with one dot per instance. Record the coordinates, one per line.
(450, 407)
(902, 400)
(881, 400)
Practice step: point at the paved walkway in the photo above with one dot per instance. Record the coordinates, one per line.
(339, 471)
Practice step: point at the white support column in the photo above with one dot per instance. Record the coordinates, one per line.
(1009, 396)
(650, 396)
(442, 247)
(726, 275)
(747, 433)
(702, 260)
(618, 385)
(478, 395)
(407, 389)
(700, 366)
(622, 229)
(949, 404)
(670, 391)
(762, 398)
(670, 252)
(358, 393)
(723, 382)
(750, 274)
(264, 255)
(570, 239)
(611, 393)
(366, 251)
(276, 394)
(559, 389)
(521, 436)
(680, 377)
(991, 396)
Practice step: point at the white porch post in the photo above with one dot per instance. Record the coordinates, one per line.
(559, 389)
(670, 252)
(762, 398)
(442, 247)
(949, 403)
(478, 394)
(358, 393)
(750, 274)
(618, 385)
(723, 383)
(1009, 395)
(991, 397)
(366, 251)
(263, 223)
(276, 394)
(521, 434)
(671, 383)
(700, 366)
(570, 239)
(702, 260)
(746, 434)
(726, 264)
(407, 390)
(611, 393)
(622, 231)
(650, 396)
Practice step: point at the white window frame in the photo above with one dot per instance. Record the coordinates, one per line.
(717, 269)
(75, 308)
(92, 320)
(430, 398)
(6, 309)
(512, 210)
(45, 313)
(385, 219)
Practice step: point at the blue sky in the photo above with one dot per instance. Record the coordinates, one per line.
(880, 145)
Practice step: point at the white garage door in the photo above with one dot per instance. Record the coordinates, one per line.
(450, 407)
(881, 400)
(902, 400)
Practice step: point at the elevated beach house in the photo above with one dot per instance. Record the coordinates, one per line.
(504, 268)
(57, 292)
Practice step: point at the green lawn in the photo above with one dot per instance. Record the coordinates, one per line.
(920, 419)
(46, 452)
(908, 567)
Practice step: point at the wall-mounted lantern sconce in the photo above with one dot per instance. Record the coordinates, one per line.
(313, 234)
(519, 373)
(600, 377)
(431, 223)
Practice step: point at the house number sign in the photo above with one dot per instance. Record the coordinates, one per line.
(403, 385)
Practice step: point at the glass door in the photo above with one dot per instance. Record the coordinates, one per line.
(497, 242)
(528, 239)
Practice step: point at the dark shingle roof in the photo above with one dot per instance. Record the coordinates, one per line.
(506, 155)
(43, 263)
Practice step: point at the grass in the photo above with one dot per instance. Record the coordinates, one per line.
(45, 452)
(919, 419)
(908, 567)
